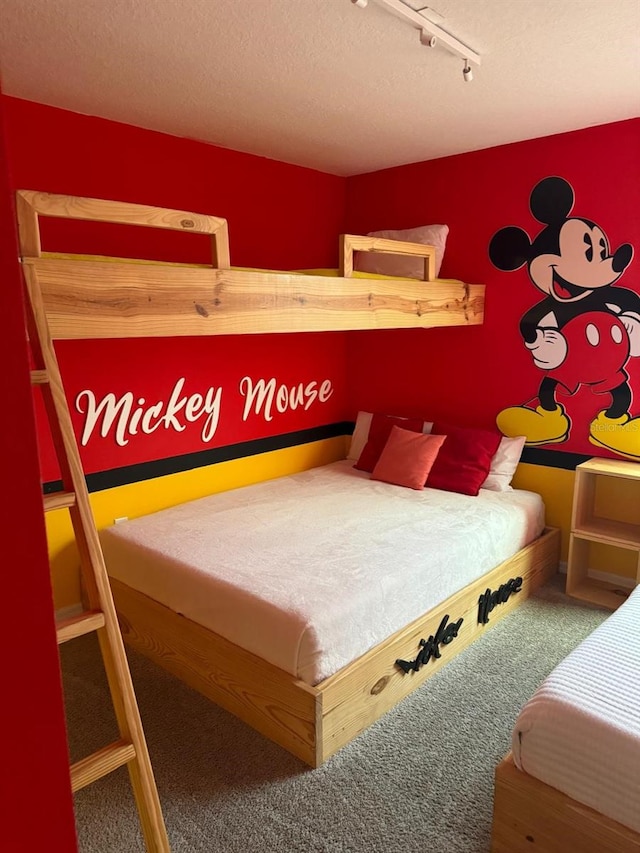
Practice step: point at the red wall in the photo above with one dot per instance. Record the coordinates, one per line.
(470, 374)
(280, 216)
(36, 793)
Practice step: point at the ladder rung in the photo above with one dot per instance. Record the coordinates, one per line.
(77, 626)
(104, 761)
(39, 377)
(58, 500)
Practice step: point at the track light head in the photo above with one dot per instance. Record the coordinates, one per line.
(361, 3)
(467, 73)
(428, 39)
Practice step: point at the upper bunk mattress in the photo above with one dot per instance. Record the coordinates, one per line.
(312, 570)
(580, 732)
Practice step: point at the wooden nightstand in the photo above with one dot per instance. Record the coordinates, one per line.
(588, 527)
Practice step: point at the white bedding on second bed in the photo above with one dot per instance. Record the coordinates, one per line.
(312, 570)
(580, 732)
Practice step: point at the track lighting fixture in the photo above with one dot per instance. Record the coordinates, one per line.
(431, 34)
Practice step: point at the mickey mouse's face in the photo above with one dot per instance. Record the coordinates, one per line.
(569, 258)
(581, 264)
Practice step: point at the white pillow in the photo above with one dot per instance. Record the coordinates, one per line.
(404, 266)
(504, 464)
(361, 433)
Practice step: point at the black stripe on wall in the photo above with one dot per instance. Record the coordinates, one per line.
(176, 464)
(553, 458)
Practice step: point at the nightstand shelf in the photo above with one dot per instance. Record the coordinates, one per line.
(589, 527)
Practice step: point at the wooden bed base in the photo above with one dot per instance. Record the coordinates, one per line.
(315, 722)
(530, 816)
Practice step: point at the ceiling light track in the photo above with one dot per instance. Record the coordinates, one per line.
(431, 34)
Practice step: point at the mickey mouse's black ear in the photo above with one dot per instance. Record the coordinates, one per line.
(551, 200)
(509, 248)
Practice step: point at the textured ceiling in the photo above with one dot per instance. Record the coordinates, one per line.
(323, 83)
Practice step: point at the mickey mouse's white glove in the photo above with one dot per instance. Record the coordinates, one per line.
(549, 349)
(631, 322)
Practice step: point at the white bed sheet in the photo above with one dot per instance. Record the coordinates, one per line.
(312, 570)
(580, 732)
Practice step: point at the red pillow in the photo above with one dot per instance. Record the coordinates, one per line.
(407, 458)
(465, 459)
(379, 431)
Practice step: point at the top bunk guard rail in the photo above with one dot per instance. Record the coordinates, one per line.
(352, 242)
(85, 297)
(31, 205)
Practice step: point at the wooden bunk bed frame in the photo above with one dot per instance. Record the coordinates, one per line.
(82, 298)
(530, 815)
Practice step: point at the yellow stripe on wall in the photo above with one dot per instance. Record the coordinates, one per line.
(555, 485)
(149, 496)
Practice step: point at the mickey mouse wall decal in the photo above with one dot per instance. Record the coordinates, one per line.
(585, 329)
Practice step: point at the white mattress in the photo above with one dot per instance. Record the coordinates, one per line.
(312, 570)
(580, 732)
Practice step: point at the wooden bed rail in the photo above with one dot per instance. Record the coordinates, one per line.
(31, 205)
(352, 242)
(93, 297)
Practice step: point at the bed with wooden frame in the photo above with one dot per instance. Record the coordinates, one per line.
(572, 779)
(86, 298)
(532, 816)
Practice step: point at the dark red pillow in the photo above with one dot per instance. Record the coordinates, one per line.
(464, 460)
(379, 432)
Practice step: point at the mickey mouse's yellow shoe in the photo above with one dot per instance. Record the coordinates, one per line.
(539, 425)
(622, 435)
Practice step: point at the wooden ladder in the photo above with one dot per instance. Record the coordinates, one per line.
(100, 616)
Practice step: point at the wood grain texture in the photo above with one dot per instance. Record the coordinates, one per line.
(612, 468)
(97, 588)
(531, 817)
(89, 299)
(315, 722)
(78, 626)
(100, 763)
(367, 688)
(28, 227)
(270, 700)
(589, 527)
(350, 243)
(31, 204)
(86, 299)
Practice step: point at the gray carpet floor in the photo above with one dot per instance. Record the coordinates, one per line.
(420, 780)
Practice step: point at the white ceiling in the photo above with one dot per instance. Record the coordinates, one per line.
(323, 83)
